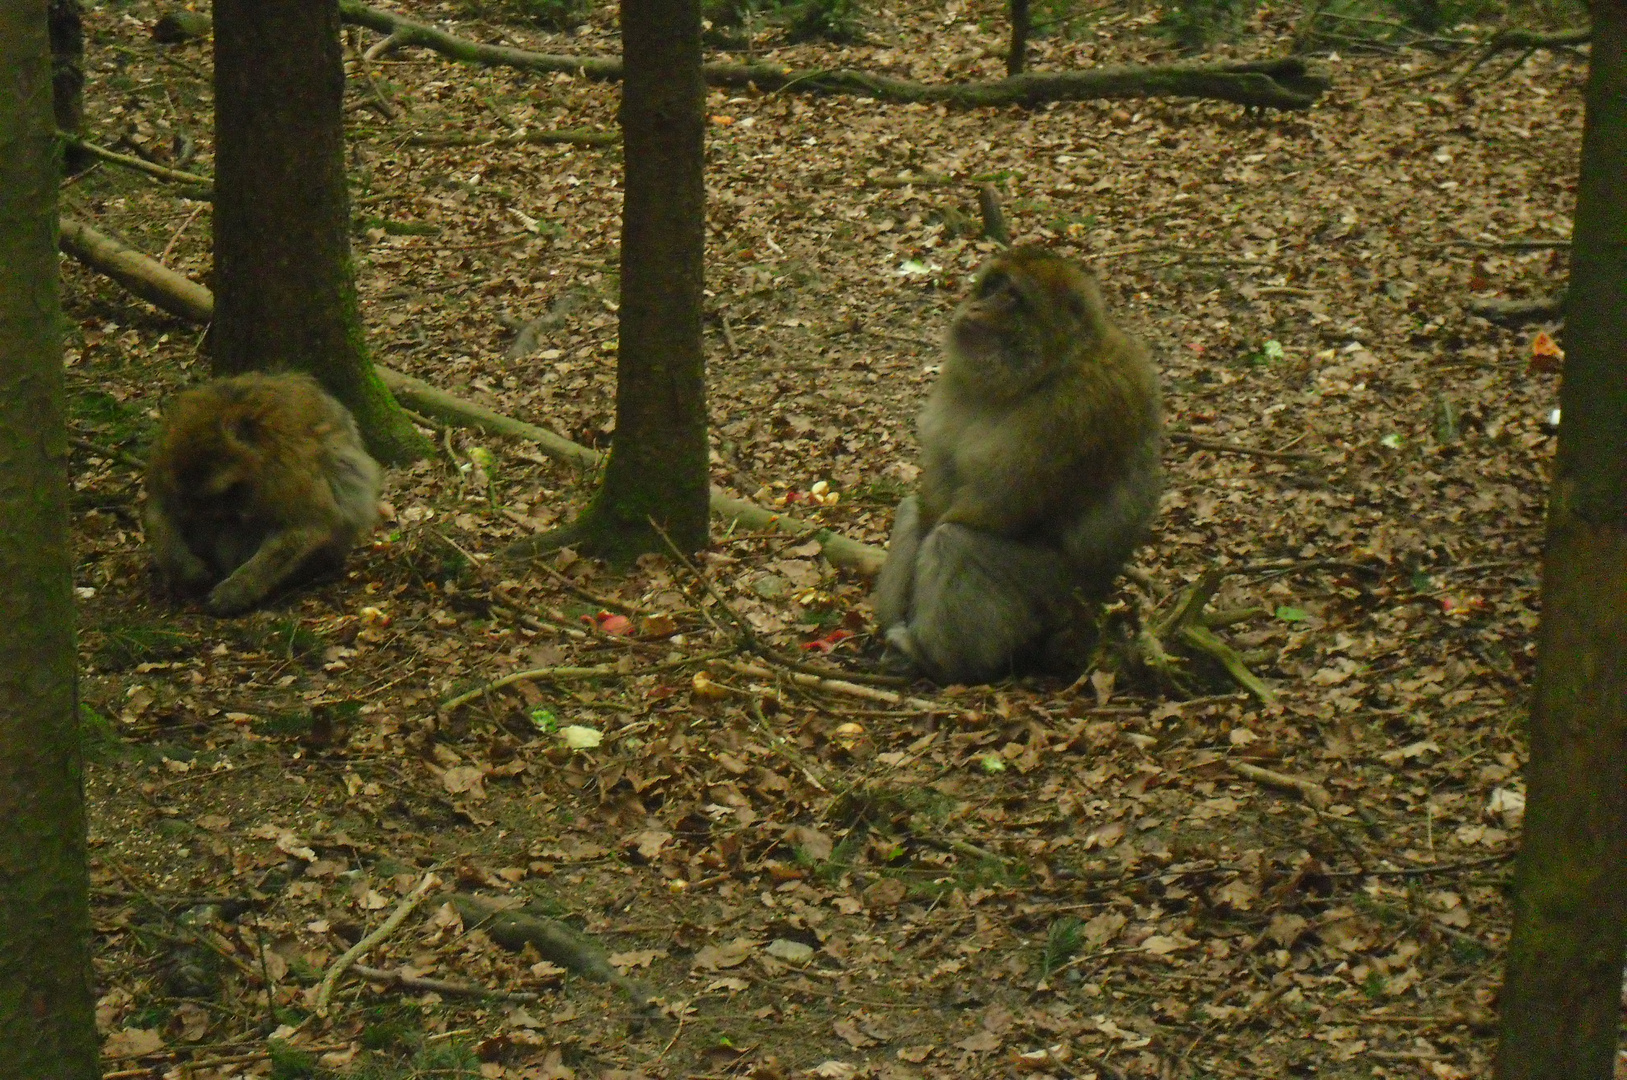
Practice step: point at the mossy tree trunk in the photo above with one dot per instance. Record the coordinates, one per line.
(47, 1021)
(1561, 999)
(658, 466)
(285, 287)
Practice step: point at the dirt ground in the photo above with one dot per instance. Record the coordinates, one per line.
(973, 882)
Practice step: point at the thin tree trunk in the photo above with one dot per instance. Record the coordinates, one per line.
(47, 1021)
(285, 288)
(658, 465)
(1021, 23)
(1561, 1000)
(68, 76)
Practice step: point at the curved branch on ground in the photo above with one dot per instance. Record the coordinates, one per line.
(1284, 83)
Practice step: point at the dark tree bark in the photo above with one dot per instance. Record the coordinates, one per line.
(658, 467)
(68, 75)
(47, 1021)
(285, 288)
(1561, 1000)
(1021, 23)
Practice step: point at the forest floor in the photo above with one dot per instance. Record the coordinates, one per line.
(970, 882)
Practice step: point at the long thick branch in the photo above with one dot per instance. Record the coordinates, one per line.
(186, 299)
(1285, 83)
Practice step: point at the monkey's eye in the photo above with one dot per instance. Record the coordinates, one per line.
(996, 281)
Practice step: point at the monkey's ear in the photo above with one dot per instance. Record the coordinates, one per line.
(992, 282)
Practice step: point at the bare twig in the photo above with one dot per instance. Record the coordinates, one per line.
(1220, 446)
(837, 686)
(324, 991)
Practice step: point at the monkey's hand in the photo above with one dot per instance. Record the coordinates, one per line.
(279, 558)
(181, 569)
(186, 571)
(1008, 507)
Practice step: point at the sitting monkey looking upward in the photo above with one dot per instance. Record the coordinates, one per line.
(256, 481)
(1040, 475)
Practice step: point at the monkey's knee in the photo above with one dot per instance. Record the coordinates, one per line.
(981, 604)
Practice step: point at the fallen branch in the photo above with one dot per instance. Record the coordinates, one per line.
(141, 274)
(139, 164)
(1222, 447)
(1518, 311)
(1528, 42)
(397, 980)
(1315, 795)
(1283, 83)
(419, 395)
(554, 941)
(1165, 645)
(563, 673)
(748, 638)
(1513, 38)
(572, 138)
(841, 551)
(835, 686)
(330, 978)
(1424, 871)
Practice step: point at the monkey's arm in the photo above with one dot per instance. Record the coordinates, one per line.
(1005, 490)
(179, 565)
(282, 556)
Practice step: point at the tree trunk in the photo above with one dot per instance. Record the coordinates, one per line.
(658, 465)
(285, 287)
(1561, 999)
(68, 76)
(1021, 22)
(47, 1021)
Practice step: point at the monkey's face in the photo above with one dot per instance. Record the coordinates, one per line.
(1028, 312)
(213, 472)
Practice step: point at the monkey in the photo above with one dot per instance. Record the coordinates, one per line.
(1040, 475)
(255, 481)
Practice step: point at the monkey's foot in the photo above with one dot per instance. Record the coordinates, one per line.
(900, 658)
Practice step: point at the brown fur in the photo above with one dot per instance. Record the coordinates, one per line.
(254, 481)
(1040, 472)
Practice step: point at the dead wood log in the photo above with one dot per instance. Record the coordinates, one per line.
(145, 276)
(515, 928)
(1283, 83)
(1513, 38)
(182, 297)
(1514, 312)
